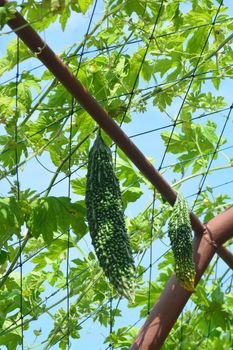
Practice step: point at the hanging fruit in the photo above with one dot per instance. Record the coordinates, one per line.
(105, 217)
(180, 234)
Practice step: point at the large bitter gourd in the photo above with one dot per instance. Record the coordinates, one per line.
(105, 217)
(180, 234)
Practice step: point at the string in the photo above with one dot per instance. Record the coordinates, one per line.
(151, 250)
(18, 190)
(111, 320)
(68, 231)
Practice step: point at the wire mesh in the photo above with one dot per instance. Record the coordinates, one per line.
(56, 184)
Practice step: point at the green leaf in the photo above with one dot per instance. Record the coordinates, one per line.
(163, 65)
(3, 256)
(134, 6)
(79, 186)
(11, 340)
(56, 214)
(217, 296)
(31, 10)
(37, 332)
(196, 43)
(163, 100)
(7, 12)
(131, 194)
(122, 338)
(11, 218)
(84, 5)
(126, 171)
(147, 70)
(10, 59)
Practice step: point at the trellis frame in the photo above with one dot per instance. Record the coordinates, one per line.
(207, 240)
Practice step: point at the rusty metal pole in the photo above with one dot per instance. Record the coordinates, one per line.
(173, 299)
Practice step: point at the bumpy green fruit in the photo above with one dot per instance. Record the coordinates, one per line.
(180, 234)
(105, 217)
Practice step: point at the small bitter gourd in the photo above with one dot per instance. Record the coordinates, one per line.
(180, 234)
(105, 218)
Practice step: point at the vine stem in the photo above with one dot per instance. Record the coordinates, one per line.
(175, 184)
(59, 326)
(54, 81)
(34, 154)
(230, 165)
(189, 74)
(14, 261)
(27, 321)
(66, 159)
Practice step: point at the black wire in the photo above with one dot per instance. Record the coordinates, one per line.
(205, 338)
(180, 122)
(107, 99)
(142, 62)
(60, 326)
(132, 136)
(189, 86)
(42, 248)
(53, 124)
(202, 181)
(228, 289)
(197, 157)
(46, 245)
(112, 47)
(128, 329)
(31, 256)
(18, 190)
(4, 331)
(111, 320)
(151, 250)
(132, 92)
(69, 175)
(25, 25)
(106, 302)
(84, 164)
(86, 318)
(68, 231)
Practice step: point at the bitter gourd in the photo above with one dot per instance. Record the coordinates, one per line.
(180, 234)
(105, 218)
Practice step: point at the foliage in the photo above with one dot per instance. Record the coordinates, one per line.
(7, 12)
(173, 74)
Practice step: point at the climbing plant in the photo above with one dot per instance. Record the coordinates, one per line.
(162, 69)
